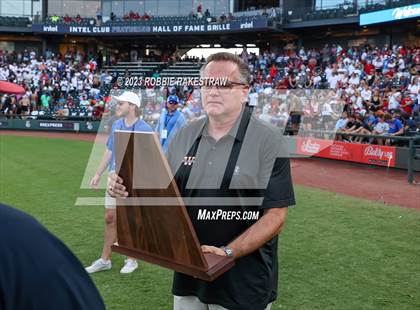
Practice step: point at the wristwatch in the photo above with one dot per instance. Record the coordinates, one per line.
(228, 251)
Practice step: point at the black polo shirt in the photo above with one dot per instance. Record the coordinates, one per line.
(37, 271)
(261, 180)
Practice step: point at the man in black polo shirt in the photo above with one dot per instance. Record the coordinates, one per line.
(37, 271)
(238, 166)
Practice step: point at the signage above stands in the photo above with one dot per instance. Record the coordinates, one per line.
(397, 14)
(181, 28)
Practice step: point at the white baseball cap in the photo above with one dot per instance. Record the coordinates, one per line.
(130, 97)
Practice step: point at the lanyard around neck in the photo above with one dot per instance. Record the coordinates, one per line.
(234, 155)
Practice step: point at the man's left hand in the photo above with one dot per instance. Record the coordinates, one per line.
(212, 249)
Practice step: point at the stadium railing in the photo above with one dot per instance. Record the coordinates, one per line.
(155, 20)
(12, 21)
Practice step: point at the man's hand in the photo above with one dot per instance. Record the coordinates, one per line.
(115, 187)
(268, 226)
(212, 249)
(95, 181)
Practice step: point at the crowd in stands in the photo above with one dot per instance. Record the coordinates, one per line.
(55, 85)
(378, 87)
(372, 84)
(66, 19)
(134, 16)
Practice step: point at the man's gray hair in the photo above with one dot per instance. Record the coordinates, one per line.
(225, 56)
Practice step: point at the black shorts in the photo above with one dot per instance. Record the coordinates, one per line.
(295, 118)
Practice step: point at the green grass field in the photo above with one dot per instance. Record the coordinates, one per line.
(336, 252)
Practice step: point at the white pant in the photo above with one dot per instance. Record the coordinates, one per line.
(193, 303)
(110, 202)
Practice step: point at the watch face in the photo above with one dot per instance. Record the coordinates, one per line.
(228, 251)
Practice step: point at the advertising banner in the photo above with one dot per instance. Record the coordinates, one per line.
(361, 153)
(51, 125)
(382, 16)
(180, 28)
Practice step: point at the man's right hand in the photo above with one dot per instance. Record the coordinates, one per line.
(115, 186)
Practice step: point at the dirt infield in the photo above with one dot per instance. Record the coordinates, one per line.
(379, 184)
(388, 186)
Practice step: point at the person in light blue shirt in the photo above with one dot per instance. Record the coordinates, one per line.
(128, 109)
(124, 124)
(171, 120)
(341, 122)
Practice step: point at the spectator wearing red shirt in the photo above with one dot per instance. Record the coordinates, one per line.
(402, 51)
(67, 19)
(273, 71)
(390, 74)
(44, 78)
(78, 19)
(406, 105)
(312, 64)
(369, 68)
(283, 83)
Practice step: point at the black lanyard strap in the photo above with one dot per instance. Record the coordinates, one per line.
(236, 148)
(184, 171)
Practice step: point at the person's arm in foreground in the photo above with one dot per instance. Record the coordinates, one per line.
(102, 167)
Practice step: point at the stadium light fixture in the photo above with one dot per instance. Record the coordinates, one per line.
(238, 45)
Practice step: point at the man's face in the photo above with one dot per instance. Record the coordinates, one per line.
(171, 106)
(122, 109)
(222, 102)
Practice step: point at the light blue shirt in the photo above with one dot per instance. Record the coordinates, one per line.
(341, 123)
(119, 124)
(172, 126)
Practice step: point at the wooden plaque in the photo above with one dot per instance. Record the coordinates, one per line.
(148, 228)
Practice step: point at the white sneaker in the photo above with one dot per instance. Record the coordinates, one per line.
(99, 265)
(129, 266)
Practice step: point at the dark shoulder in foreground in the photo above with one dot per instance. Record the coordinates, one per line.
(37, 271)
